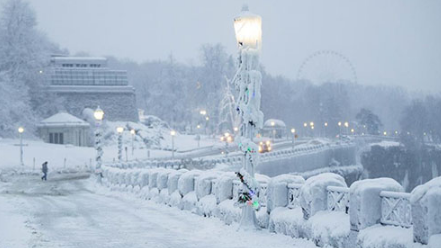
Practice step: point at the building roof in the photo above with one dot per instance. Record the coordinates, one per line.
(63, 119)
(277, 123)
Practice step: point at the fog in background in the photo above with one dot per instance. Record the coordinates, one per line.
(396, 42)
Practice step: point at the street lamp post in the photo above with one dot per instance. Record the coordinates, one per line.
(173, 133)
(339, 127)
(293, 131)
(133, 132)
(99, 115)
(347, 128)
(20, 131)
(120, 131)
(248, 81)
(198, 136)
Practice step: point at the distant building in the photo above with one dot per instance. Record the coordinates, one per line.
(274, 128)
(64, 128)
(86, 82)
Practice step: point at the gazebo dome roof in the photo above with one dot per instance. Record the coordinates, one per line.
(277, 123)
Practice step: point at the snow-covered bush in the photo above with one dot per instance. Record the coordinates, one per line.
(313, 194)
(365, 201)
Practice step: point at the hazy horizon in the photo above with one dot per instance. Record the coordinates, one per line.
(390, 43)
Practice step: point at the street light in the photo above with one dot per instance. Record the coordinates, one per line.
(293, 131)
(98, 115)
(173, 133)
(120, 131)
(203, 112)
(248, 29)
(20, 131)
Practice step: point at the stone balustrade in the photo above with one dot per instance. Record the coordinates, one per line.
(294, 206)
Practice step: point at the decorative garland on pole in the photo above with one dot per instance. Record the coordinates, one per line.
(99, 150)
(249, 197)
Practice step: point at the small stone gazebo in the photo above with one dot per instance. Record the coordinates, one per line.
(64, 128)
(274, 128)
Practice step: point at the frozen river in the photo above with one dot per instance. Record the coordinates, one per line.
(69, 211)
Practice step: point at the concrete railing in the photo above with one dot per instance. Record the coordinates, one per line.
(396, 209)
(338, 198)
(366, 204)
(210, 162)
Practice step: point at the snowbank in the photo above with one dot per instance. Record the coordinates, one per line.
(378, 236)
(328, 228)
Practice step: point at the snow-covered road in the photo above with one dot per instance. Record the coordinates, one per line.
(69, 211)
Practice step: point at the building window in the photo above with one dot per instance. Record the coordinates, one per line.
(56, 138)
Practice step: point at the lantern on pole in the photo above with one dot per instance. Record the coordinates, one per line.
(99, 115)
(248, 81)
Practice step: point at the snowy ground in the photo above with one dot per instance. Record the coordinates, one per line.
(81, 157)
(66, 212)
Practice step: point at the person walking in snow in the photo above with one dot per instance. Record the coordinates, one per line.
(44, 169)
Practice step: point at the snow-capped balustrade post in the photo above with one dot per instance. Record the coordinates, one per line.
(426, 211)
(248, 80)
(365, 203)
(396, 209)
(279, 192)
(338, 199)
(314, 194)
(99, 115)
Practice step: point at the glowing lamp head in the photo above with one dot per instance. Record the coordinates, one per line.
(98, 114)
(229, 139)
(132, 132)
(326, 124)
(339, 123)
(273, 123)
(236, 129)
(311, 123)
(207, 118)
(293, 130)
(352, 130)
(385, 133)
(20, 129)
(203, 112)
(222, 138)
(172, 132)
(248, 28)
(305, 124)
(198, 126)
(227, 134)
(346, 124)
(120, 130)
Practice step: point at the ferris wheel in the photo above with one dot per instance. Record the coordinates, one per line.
(327, 67)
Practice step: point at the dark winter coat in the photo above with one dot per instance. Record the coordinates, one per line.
(44, 169)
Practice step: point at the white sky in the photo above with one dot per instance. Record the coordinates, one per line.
(394, 42)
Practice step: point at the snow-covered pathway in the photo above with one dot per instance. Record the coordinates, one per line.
(66, 212)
